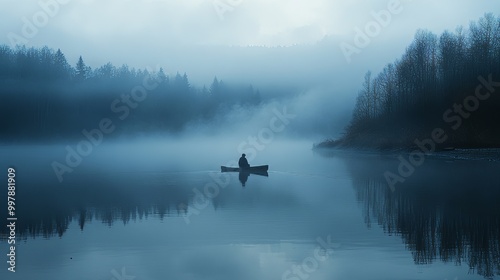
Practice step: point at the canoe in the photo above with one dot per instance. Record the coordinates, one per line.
(260, 168)
(257, 170)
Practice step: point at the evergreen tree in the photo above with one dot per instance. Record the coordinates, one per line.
(82, 70)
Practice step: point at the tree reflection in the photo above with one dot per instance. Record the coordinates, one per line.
(445, 210)
(45, 209)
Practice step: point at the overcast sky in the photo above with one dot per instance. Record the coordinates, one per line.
(150, 32)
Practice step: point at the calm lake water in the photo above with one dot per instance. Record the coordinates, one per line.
(162, 210)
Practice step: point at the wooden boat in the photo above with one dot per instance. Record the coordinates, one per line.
(258, 170)
(248, 169)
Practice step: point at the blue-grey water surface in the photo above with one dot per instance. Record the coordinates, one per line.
(163, 210)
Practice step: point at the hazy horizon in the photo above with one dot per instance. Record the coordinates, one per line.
(197, 38)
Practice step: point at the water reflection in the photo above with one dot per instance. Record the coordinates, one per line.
(446, 210)
(244, 174)
(46, 208)
(243, 177)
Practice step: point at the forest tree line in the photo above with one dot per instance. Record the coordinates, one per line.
(432, 85)
(43, 97)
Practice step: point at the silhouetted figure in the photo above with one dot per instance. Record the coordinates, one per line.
(243, 163)
(243, 176)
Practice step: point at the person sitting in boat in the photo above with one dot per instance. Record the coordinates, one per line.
(243, 163)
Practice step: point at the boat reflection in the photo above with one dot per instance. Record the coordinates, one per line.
(245, 173)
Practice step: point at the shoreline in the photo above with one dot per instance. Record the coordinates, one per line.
(450, 153)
